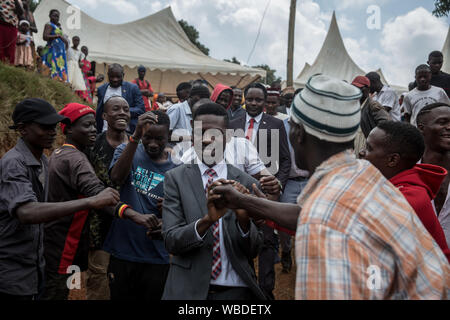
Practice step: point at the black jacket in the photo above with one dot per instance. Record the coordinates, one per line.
(372, 113)
(270, 123)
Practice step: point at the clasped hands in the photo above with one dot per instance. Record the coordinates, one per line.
(230, 194)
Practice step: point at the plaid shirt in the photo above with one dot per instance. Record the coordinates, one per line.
(358, 238)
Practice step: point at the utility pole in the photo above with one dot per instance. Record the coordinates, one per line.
(290, 57)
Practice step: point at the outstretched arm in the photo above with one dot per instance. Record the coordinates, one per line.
(40, 212)
(283, 214)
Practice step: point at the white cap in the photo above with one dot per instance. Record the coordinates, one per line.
(328, 108)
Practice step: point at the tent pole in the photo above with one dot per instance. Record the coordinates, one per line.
(160, 80)
(209, 84)
(290, 57)
(240, 80)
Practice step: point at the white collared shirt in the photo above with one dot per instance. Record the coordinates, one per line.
(255, 125)
(228, 276)
(239, 152)
(288, 111)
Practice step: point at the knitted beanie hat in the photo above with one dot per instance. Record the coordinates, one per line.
(328, 108)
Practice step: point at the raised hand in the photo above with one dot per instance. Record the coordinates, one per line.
(144, 121)
(107, 198)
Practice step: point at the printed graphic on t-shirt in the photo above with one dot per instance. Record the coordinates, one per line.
(146, 182)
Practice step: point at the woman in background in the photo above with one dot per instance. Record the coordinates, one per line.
(54, 53)
(76, 79)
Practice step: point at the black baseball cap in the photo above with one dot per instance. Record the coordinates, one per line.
(38, 111)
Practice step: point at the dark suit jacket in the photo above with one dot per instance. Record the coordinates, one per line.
(237, 114)
(282, 109)
(270, 123)
(191, 259)
(132, 94)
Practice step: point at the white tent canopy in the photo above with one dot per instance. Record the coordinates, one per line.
(446, 53)
(334, 60)
(157, 41)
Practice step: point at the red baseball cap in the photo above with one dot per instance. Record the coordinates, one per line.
(361, 81)
(74, 111)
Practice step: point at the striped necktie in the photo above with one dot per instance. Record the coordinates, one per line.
(216, 263)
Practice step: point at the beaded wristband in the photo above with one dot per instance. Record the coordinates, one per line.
(132, 140)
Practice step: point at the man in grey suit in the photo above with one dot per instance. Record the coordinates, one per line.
(212, 248)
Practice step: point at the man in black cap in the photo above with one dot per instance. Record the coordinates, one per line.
(23, 196)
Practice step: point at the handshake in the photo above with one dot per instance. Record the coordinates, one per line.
(230, 194)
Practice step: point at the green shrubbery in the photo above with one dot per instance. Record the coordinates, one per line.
(16, 84)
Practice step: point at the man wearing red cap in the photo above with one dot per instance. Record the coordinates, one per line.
(372, 113)
(71, 176)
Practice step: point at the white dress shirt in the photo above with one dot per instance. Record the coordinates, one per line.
(228, 276)
(255, 125)
(239, 152)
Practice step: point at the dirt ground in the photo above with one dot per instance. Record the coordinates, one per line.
(284, 285)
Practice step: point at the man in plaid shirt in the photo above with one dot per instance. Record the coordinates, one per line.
(356, 235)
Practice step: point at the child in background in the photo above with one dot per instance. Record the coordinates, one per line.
(24, 53)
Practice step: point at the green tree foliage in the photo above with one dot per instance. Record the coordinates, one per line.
(442, 8)
(270, 74)
(193, 35)
(16, 84)
(233, 60)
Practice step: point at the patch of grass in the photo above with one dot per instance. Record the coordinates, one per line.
(16, 84)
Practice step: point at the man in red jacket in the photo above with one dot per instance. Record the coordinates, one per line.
(394, 148)
(145, 87)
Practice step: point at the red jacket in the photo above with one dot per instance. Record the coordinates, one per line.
(419, 186)
(144, 85)
(218, 89)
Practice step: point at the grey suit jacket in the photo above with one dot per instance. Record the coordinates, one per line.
(191, 259)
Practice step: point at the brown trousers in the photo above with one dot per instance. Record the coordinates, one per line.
(97, 285)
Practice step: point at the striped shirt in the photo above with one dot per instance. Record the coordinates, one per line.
(358, 238)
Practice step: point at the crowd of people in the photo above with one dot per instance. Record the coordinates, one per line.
(180, 200)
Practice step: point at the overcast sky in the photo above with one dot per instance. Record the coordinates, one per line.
(407, 32)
